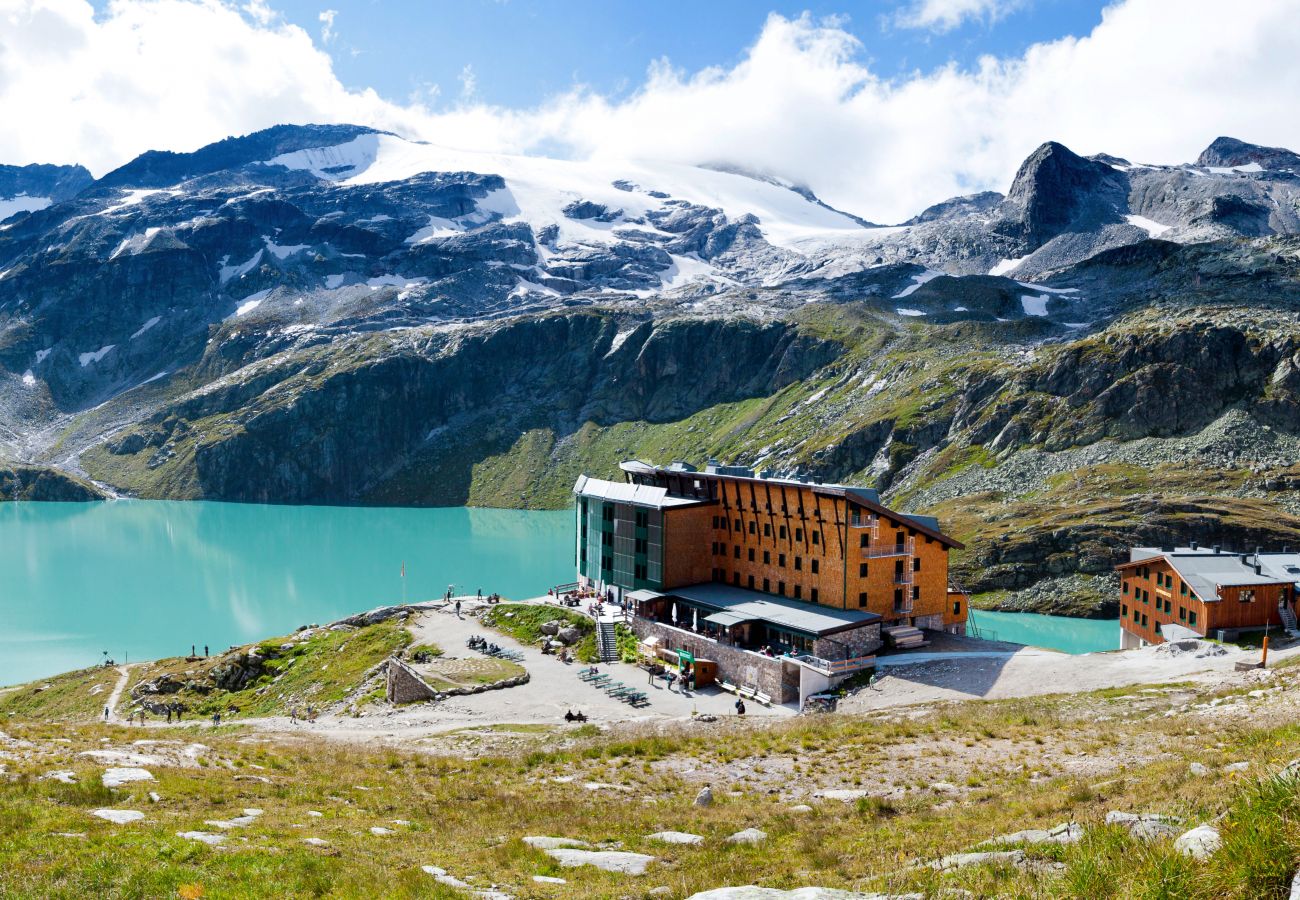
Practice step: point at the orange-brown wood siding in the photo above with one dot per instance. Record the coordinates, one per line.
(687, 535)
(1147, 595)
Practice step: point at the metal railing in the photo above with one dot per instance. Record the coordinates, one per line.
(836, 666)
(874, 551)
(904, 577)
(872, 521)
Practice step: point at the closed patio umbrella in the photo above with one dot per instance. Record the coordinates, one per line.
(672, 616)
(695, 619)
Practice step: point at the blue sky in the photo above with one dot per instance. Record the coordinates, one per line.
(522, 51)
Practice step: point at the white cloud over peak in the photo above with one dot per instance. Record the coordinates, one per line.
(945, 15)
(1155, 81)
(326, 19)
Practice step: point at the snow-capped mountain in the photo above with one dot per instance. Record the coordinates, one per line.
(185, 285)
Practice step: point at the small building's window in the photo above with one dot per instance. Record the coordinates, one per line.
(751, 582)
(1247, 596)
(916, 564)
(753, 528)
(1123, 610)
(1144, 620)
(864, 539)
(813, 595)
(815, 567)
(1123, 588)
(1182, 588)
(751, 554)
(916, 592)
(767, 529)
(817, 537)
(738, 525)
(1182, 614)
(781, 532)
(798, 563)
(767, 558)
(780, 560)
(956, 607)
(862, 570)
(862, 598)
(798, 534)
(737, 553)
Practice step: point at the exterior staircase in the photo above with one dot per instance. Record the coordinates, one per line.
(1288, 620)
(905, 637)
(606, 642)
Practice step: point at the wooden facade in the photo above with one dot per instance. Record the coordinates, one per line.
(816, 543)
(1154, 593)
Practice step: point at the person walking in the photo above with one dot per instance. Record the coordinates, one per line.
(205, 649)
(105, 713)
(169, 715)
(740, 707)
(458, 607)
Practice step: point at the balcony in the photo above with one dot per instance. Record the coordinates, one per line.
(875, 551)
(872, 521)
(903, 577)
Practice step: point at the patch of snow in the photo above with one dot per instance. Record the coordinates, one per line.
(88, 358)
(22, 203)
(1044, 289)
(1008, 265)
(283, 252)
(917, 281)
(1247, 169)
(251, 302)
(231, 272)
(152, 378)
(394, 281)
(133, 197)
(685, 269)
(334, 281)
(1150, 226)
(146, 326)
(619, 340)
(960, 309)
(29, 379)
(904, 311)
(525, 287)
(135, 243)
(1035, 304)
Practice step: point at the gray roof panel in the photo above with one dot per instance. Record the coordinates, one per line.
(808, 618)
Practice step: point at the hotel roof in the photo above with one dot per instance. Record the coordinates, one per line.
(634, 494)
(741, 605)
(1206, 570)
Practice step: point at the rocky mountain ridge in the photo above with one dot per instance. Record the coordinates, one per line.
(334, 314)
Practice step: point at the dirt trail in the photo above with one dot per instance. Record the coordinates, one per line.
(124, 673)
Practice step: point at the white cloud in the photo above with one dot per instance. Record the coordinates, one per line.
(1154, 82)
(326, 18)
(468, 82)
(945, 15)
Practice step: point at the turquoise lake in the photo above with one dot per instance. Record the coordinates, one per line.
(144, 579)
(1054, 632)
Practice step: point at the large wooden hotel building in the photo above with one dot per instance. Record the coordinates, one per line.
(753, 562)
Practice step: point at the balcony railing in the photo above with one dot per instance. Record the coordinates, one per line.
(903, 577)
(836, 666)
(874, 551)
(872, 521)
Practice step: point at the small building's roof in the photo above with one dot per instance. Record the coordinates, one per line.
(728, 618)
(807, 618)
(633, 494)
(1205, 571)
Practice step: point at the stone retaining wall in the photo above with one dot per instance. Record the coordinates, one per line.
(404, 685)
(778, 680)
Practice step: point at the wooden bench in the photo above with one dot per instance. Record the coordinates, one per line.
(727, 686)
(747, 692)
(762, 698)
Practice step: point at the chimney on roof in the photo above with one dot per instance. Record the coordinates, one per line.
(1217, 549)
(1259, 569)
(1194, 545)
(1245, 559)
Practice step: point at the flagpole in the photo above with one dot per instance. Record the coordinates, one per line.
(403, 583)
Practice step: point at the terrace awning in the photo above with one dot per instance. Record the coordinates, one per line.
(727, 619)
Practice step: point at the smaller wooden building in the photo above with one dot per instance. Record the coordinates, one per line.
(1172, 592)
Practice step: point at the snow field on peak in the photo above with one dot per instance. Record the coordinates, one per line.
(538, 188)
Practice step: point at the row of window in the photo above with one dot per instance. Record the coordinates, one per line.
(720, 549)
(1139, 618)
(753, 584)
(1145, 596)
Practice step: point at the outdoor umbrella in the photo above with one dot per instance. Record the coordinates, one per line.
(695, 619)
(673, 615)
